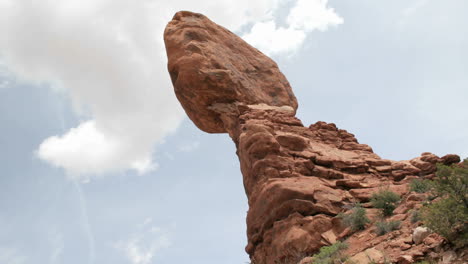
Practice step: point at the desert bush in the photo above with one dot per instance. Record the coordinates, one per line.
(420, 185)
(415, 216)
(449, 219)
(385, 200)
(357, 219)
(452, 182)
(383, 227)
(448, 214)
(332, 254)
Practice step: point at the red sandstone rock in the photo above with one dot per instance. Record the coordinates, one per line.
(450, 159)
(297, 179)
(210, 65)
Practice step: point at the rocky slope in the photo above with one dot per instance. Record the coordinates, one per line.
(297, 179)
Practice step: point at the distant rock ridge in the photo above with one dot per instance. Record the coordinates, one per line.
(297, 179)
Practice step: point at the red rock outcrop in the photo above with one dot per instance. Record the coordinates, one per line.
(297, 179)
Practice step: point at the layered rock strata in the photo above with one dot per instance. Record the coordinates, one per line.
(297, 179)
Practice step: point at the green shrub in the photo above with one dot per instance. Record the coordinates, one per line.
(357, 219)
(448, 215)
(415, 216)
(420, 186)
(332, 254)
(385, 227)
(449, 219)
(452, 182)
(385, 200)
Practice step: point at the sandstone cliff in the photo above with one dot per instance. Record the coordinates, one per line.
(297, 179)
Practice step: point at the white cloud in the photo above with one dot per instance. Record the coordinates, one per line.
(270, 39)
(304, 17)
(142, 246)
(109, 57)
(6, 78)
(189, 146)
(86, 149)
(311, 15)
(11, 256)
(4, 83)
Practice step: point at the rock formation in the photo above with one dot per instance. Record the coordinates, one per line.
(297, 179)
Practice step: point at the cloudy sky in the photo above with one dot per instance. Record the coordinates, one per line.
(100, 164)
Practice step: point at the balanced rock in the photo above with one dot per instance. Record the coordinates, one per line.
(297, 179)
(210, 65)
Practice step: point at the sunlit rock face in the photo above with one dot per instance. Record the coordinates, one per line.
(297, 179)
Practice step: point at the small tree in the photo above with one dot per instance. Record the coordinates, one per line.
(420, 186)
(385, 200)
(448, 215)
(357, 219)
(452, 182)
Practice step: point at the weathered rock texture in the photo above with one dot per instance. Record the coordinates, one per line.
(209, 65)
(297, 179)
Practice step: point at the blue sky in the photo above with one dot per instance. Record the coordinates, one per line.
(100, 164)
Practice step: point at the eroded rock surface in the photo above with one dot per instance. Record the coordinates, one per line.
(210, 65)
(297, 179)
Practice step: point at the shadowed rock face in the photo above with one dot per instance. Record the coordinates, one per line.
(210, 65)
(297, 179)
